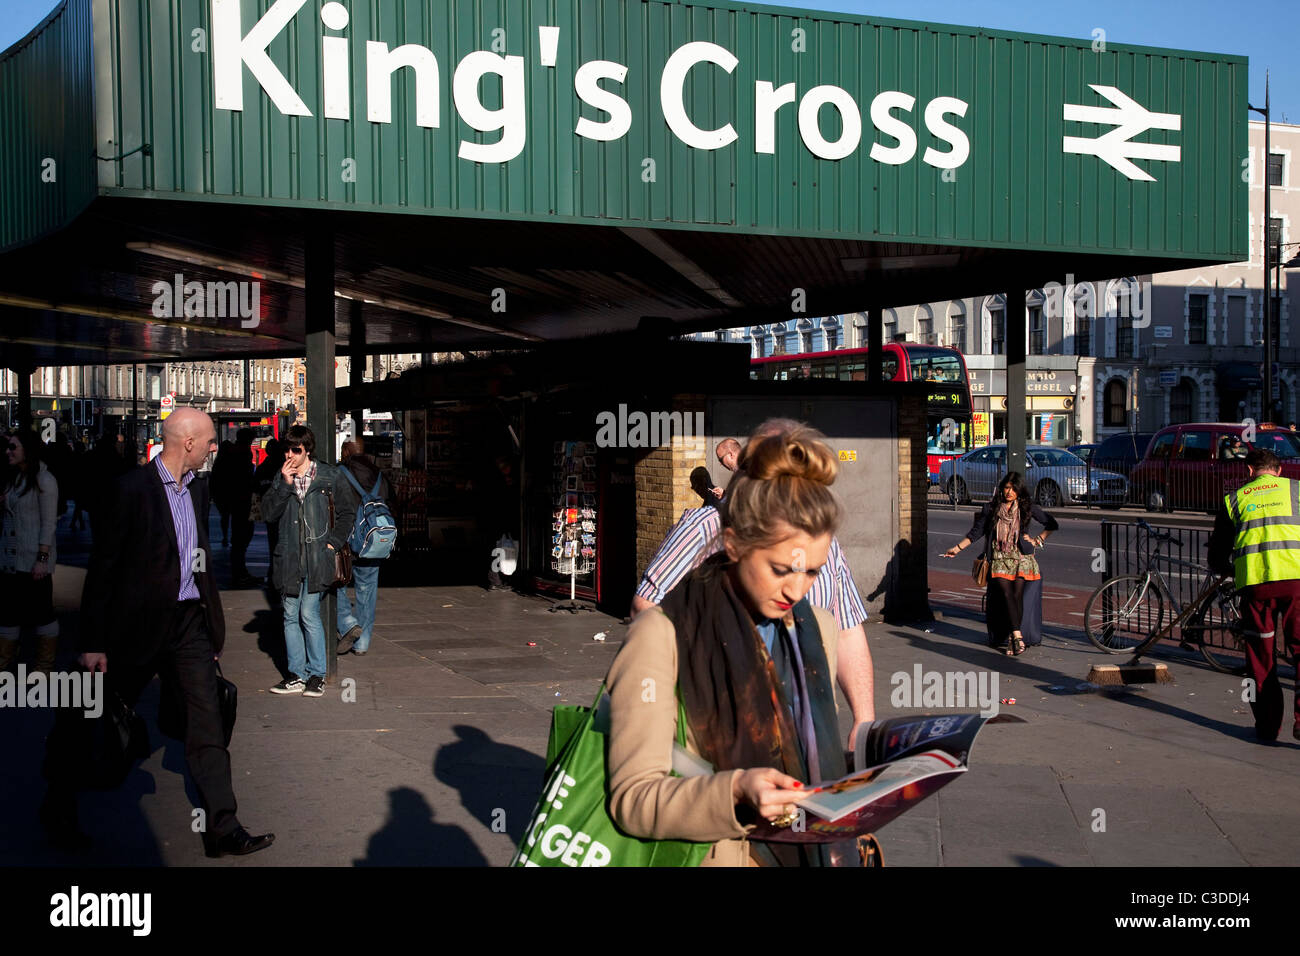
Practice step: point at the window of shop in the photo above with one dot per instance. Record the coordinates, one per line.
(832, 339)
(957, 327)
(1124, 335)
(1116, 404)
(1275, 161)
(1198, 305)
(925, 326)
(805, 336)
(891, 325)
(1083, 336)
(1234, 326)
(859, 331)
(997, 319)
(1037, 331)
(1275, 240)
(1182, 402)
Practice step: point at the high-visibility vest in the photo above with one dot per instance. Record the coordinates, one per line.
(1266, 512)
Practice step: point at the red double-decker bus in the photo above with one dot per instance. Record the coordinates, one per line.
(948, 405)
(265, 426)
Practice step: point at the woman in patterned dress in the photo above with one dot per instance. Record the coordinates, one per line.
(1004, 522)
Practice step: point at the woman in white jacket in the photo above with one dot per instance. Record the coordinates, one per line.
(30, 500)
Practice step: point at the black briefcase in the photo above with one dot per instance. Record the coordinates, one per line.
(111, 742)
(171, 708)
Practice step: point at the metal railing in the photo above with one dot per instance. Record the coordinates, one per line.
(1131, 549)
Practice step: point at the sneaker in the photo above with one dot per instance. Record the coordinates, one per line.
(292, 685)
(315, 687)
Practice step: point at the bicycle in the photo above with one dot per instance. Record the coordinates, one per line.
(1126, 614)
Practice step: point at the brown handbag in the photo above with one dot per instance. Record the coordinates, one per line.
(342, 557)
(980, 571)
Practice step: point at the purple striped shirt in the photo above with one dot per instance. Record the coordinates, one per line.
(187, 530)
(697, 535)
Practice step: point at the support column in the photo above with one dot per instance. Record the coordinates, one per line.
(320, 389)
(23, 372)
(875, 342)
(356, 360)
(1016, 418)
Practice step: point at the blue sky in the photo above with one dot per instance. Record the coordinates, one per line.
(1267, 31)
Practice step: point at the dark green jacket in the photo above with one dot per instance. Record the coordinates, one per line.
(301, 551)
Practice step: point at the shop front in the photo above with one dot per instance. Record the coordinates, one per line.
(1050, 406)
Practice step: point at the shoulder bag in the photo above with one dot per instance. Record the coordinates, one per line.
(571, 826)
(172, 715)
(342, 556)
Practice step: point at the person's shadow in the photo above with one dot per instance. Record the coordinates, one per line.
(904, 604)
(498, 783)
(409, 837)
(268, 625)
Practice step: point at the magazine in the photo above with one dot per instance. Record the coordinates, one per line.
(904, 760)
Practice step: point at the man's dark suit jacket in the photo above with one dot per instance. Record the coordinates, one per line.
(135, 572)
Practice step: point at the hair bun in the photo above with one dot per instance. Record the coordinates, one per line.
(797, 453)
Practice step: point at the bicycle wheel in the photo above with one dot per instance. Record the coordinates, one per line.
(1123, 616)
(1216, 630)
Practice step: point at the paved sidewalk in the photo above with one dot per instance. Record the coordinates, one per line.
(439, 758)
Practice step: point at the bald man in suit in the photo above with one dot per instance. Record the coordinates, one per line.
(151, 606)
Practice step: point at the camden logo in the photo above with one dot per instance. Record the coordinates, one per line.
(641, 430)
(75, 909)
(212, 300)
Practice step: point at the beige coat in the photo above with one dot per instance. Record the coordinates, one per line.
(645, 800)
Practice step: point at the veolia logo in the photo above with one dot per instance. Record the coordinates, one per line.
(233, 49)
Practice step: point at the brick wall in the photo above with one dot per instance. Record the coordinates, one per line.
(663, 481)
(908, 596)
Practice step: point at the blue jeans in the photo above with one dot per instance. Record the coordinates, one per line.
(308, 607)
(365, 580)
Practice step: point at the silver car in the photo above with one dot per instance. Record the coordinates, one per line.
(1055, 477)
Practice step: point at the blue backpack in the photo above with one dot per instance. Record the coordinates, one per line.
(374, 531)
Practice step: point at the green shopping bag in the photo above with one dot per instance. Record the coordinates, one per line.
(570, 826)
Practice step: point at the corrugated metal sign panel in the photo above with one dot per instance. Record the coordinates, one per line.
(789, 122)
(47, 173)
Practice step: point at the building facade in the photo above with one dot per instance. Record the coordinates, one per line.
(1129, 354)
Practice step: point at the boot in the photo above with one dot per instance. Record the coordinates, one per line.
(47, 649)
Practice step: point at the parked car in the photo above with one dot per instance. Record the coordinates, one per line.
(1193, 466)
(1055, 477)
(1083, 451)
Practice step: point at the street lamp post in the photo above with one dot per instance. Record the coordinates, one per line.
(1266, 406)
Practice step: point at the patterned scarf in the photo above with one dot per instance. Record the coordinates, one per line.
(1008, 530)
(739, 706)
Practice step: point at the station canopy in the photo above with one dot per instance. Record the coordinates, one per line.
(499, 174)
